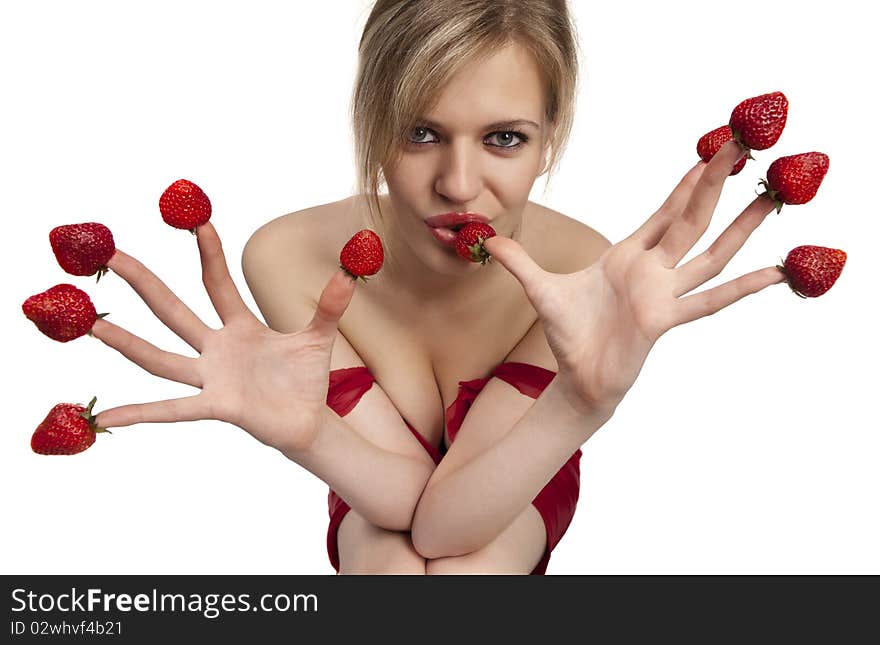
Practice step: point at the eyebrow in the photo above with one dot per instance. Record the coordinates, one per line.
(497, 125)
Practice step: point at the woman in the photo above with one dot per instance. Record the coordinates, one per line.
(445, 402)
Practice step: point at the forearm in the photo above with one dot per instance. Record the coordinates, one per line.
(384, 487)
(469, 507)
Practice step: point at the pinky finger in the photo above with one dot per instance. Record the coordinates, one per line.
(191, 408)
(713, 300)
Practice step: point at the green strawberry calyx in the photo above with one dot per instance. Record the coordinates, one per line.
(772, 194)
(788, 280)
(88, 416)
(479, 252)
(354, 276)
(106, 313)
(745, 148)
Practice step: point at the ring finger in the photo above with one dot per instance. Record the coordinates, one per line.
(158, 362)
(711, 262)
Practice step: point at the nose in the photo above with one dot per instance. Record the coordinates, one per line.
(459, 177)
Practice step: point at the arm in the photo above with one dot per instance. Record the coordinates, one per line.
(472, 497)
(381, 485)
(600, 324)
(370, 452)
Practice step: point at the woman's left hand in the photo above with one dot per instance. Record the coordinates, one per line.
(602, 322)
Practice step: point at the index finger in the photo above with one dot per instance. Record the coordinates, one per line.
(215, 275)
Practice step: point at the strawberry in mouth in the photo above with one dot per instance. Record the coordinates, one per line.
(469, 243)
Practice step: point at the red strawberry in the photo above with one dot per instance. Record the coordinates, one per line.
(83, 249)
(812, 270)
(362, 255)
(711, 142)
(757, 122)
(185, 205)
(469, 242)
(69, 428)
(62, 312)
(795, 179)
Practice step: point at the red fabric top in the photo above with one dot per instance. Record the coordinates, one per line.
(557, 500)
(348, 385)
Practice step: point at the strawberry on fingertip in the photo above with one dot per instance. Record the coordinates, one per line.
(812, 270)
(795, 179)
(68, 429)
(757, 122)
(62, 312)
(469, 242)
(362, 255)
(83, 249)
(184, 205)
(711, 142)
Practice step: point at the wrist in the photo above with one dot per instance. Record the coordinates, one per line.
(581, 412)
(304, 436)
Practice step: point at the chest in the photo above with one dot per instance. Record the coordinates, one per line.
(418, 359)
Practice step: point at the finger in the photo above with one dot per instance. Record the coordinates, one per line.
(333, 302)
(649, 233)
(174, 367)
(215, 275)
(712, 261)
(685, 229)
(191, 408)
(160, 299)
(713, 300)
(513, 257)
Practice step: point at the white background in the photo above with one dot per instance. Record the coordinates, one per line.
(750, 442)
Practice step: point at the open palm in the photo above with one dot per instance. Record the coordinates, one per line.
(272, 385)
(602, 322)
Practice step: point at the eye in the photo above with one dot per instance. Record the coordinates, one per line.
(504, 138)
(417, 134)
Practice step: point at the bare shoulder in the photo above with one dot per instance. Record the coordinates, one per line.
(289, 257)
(568, 244)
(297, 231)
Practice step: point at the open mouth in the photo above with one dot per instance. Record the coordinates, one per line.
(457, 227)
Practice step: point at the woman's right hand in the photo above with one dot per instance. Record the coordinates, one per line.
(270, 384)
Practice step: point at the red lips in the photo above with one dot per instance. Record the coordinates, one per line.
(449, 220)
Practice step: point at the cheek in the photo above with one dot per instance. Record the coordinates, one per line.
(408, 178)
(514, 181)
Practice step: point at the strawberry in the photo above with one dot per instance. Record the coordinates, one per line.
(185, 205)
(62, 312)
(795, 179)
(812, 270)
(83, 249)
(712, 141)
(757, 122)
(69, 428)
(362, 255)
(469, 242)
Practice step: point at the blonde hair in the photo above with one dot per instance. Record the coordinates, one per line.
(410, 49)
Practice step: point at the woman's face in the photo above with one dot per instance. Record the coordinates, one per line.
(458, 159)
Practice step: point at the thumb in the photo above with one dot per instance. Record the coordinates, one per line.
(333, 302)
(514, 258)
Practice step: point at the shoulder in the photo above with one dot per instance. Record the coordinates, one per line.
(296, 230)
(305, 238)
(291, 255)
(567, 244)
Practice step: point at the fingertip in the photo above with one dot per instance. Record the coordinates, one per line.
(495, 242)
